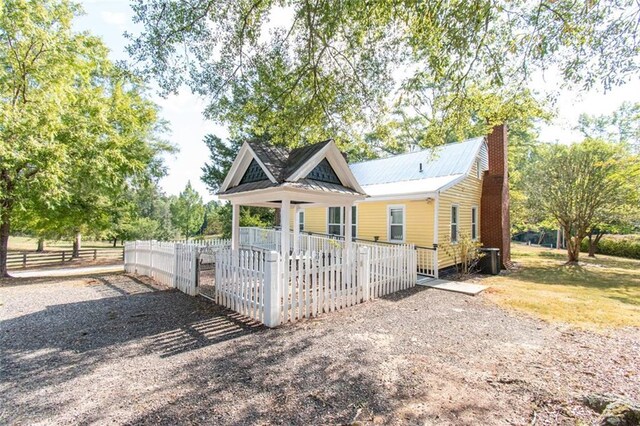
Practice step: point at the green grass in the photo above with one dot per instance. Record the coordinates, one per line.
(30, 244)
(598, 293)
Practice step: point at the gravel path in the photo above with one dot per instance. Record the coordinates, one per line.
(119, 349)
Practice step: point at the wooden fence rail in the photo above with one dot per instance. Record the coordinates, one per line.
(23, 260)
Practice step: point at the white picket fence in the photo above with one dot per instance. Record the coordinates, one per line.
(391, 267)
(173, 264)
(275, 288)
(240, 281)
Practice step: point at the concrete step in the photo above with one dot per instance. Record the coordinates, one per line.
(457, 287)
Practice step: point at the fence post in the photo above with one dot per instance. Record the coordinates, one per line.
(435, 261)
(364, 273)
(135, 257)
(151, 274)
(271, 290)
(95, 254)
(24, 260)
(62, 256)
(193, 288)
(176, 253)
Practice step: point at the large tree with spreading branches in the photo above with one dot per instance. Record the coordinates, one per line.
(75, 131)
(379, 75)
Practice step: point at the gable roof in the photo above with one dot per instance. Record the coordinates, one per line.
(442, 167)
(290, 168)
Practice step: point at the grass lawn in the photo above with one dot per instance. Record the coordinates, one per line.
(599, 293)
(31, 244)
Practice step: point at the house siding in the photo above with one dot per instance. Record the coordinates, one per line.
(465, 194)
(419, 217)
(372, 220)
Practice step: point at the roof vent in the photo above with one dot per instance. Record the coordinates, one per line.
(420, 167)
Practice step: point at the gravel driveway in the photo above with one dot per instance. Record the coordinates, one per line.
(119, 349)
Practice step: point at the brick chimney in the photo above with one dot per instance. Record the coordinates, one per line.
(494, 206)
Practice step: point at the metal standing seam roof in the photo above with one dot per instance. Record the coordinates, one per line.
(440, 166)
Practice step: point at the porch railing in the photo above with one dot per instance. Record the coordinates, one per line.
(270, 239)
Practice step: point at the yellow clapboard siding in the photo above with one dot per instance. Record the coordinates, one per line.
(372, 220)
(372, 217)
(466, 195)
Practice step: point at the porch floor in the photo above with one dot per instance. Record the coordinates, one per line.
(457, 287)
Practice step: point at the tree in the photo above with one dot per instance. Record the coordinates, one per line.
(622, 126)
(579, 183)
(332, 69)
(187, 211)
(74, 129)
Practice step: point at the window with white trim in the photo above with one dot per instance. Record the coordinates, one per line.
(474, 223)
(478, 168)
(396, 223)
(335, 221)
(301, 220)
(454, 223)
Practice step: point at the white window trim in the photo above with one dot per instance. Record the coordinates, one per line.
(354, 218)
(301, 222)
(404, 222)
(474, 237)
(341, 220)
(478, 167)
(457, 223)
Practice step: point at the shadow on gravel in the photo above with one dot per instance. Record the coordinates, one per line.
(404, 294)
(66, 341)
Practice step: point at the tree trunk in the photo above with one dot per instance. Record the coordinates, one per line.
(40, 248)
(115, 242)
(542, 234)
(573, 250)
(5, 227)
(77, 242)
(4, 244)
(593, 244)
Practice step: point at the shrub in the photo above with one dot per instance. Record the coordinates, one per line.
(616, 245)
(464, 253)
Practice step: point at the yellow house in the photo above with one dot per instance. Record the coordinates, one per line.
(430, 198)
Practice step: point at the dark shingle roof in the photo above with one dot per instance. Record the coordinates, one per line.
(280, 162)
(274, 158)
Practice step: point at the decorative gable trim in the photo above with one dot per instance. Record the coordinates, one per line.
(323, 172)
(240, 166)
(339, 165)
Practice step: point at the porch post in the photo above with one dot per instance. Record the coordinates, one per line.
(296, 229)
(348, 235)
(235, 226)
(347, 242)
(284, 226)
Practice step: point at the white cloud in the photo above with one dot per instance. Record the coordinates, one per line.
(119, 19)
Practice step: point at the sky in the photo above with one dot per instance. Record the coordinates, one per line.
(109, 19)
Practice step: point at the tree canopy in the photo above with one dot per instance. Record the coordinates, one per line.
(378, 72)
(76, 132)
(580, 184)
(187, 211)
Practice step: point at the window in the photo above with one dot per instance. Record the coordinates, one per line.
(335, 221)
(478, 169)
(301, 220)
(354, 221)
(474, 223)
(454, 224)
(396, 223)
